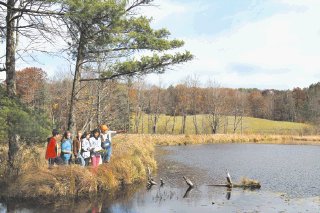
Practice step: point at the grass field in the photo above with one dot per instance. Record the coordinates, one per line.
(249, 126)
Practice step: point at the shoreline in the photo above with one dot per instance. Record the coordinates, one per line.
(173, 140)
(132, 154)
(128, 166)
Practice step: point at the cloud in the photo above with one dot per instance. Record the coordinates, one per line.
(280, 51)
(256, 46)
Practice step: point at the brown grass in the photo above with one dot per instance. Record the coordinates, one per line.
(165, 140)
(128, 165)
(247, 182)
(131, 156)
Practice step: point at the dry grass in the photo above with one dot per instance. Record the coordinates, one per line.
(165, 140)
(248, 183)
(131, 156)
(128, 165)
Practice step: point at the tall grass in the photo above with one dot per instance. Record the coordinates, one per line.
(131, 157)
(132, 154)
(250, 125)
(165, 140)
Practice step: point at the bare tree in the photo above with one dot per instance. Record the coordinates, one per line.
(215, 105)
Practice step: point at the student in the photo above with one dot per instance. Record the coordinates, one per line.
(106, 138)
(53, 149)
(95, 143)
(85, 147)
(77, 149)
(66, 147)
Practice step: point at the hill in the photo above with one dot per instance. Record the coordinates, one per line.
(249, 125)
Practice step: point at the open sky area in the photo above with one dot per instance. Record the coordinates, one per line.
(237, 43)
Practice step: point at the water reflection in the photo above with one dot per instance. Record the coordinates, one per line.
(205, 165)
(186, 194)
(228, 195)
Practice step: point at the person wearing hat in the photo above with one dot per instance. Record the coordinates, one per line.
(53, 149)
(106, 138)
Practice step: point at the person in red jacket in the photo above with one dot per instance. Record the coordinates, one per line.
(53, 149)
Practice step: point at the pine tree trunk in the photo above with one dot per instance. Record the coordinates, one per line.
(10, 51)
(11, 82)
(99, 105)
(76, 87)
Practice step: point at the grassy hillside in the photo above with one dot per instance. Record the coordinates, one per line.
(249, 125)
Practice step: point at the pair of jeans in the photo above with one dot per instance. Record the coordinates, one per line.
(66, 161)
(107, 155)
(79, 156)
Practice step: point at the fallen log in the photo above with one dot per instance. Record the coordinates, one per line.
(245, 183)
(252, 186)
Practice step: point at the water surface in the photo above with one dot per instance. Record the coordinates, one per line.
(289, 175)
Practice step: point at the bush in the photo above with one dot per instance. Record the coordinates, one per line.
(31, 126)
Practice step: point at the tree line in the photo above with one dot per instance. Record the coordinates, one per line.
(128, 103)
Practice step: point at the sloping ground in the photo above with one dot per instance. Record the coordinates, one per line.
(249, 125)
(129, 162)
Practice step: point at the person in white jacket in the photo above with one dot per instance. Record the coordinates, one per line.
(95, 143)
(85, 147)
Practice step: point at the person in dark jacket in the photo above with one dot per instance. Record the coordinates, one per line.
(77, 149)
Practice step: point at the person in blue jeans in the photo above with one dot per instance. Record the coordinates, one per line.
(106, 139)
(66, 147)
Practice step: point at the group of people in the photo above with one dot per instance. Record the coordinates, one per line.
(94, 147)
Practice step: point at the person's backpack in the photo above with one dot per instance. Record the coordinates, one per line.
(106, 144)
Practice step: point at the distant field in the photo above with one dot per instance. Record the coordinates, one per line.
(249, 125)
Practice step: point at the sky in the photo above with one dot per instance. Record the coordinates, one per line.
(265, 44)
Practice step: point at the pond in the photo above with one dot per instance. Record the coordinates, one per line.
(289, 175)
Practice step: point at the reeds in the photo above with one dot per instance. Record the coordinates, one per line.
(249, 183)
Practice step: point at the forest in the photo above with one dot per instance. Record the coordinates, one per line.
(132, 104)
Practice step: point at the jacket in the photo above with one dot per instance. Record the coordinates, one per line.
(52, 151)
(85, 149)
(76, 146)
(66, 146)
